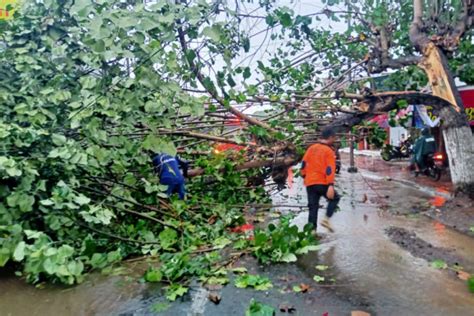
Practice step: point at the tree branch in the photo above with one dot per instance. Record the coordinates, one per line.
(278, 162)
(464, 23)
(213, 92)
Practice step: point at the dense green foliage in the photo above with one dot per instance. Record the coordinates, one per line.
(89, 90)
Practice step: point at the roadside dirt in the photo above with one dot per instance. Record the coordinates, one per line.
(457, 213)
(419, 248)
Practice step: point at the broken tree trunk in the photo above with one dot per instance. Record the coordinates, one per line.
(456, 131)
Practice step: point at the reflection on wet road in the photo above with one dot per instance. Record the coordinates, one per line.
(376, 272)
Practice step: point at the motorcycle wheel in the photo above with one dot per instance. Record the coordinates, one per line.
(386, 156)
(434, 173)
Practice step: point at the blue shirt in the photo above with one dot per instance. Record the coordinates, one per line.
(167, 168)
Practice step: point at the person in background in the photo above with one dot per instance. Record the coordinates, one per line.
(318, 170)
(168, 169)
(424, 146)
(402, 140)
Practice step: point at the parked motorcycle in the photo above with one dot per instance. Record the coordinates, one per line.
(391, 152)
(434, 166)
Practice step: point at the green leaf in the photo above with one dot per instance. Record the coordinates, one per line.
(258, 309)
(168, 237)
(217, 280)
(470, 284)
(213, 32)
(153, 275)
(296, 288)
(26, 203)
(19, 253)
(246, 74)
(439, 264)
(221, 242)
(318, 278)
(321, 267)
(175, 291)
(289, 257)
(304, 250)
(285, 19)
(58, 139)
(257, 282)
(80, 6)
(81, 199)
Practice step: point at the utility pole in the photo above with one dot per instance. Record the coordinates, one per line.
(352, 168)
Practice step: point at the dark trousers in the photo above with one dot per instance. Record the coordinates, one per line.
(176, 188)
(314, 194)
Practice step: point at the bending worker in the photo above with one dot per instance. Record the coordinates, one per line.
(318, 171)
(167, 168)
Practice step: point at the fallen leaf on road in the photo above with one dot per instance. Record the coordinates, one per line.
(321, 267)
(286, 308)
(304, 287)
(463, 275)
(215, 298)
(212, 219)
(439, 264)
(239, 270)
(213, 287)
(364, 198)
(359, 313)
(325, 314)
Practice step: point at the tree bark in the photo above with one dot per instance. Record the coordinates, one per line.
(278, 162)
(456, 131)
(460, 150)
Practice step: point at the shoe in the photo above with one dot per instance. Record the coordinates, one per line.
(326, 224)
(316, 235)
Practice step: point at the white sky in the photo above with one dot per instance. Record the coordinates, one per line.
(268, 47)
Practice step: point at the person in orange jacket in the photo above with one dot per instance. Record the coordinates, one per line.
(318, 170)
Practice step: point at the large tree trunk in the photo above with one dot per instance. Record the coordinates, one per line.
(459, 147)
(456, 131)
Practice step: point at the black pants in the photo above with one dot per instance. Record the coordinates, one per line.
(314, 194)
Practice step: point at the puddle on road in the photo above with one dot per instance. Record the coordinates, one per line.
(375, 272)
(100, 295)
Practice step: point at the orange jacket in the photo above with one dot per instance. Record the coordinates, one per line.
(319, 165)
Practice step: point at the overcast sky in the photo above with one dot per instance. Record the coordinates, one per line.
(262, 42)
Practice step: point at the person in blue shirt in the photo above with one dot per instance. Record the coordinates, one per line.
(167, 167)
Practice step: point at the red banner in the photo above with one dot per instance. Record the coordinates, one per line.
(467, 96)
